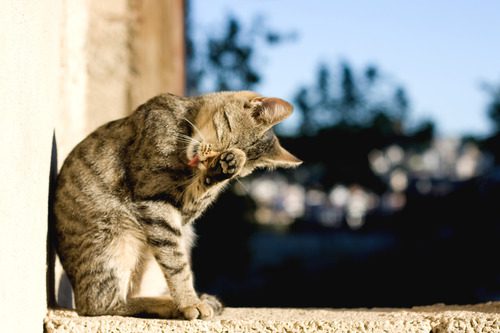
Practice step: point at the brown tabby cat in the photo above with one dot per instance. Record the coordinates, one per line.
(130, 191)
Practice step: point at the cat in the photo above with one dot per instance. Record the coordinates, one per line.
(131, 190)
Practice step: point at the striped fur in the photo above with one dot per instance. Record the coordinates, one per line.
(132, 188)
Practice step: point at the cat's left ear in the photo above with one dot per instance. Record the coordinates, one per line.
(269, 111)
(279, 157)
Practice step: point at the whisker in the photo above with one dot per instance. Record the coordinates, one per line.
(181, 138)
(195, 128)
(180, 135)
(245, 188)
(185, 144)
(186, 185)
(185, 138)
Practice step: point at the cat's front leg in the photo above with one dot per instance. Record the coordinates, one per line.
(224, 166)
(169, 242)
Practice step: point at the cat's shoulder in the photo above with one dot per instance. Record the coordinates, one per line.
(166, 101)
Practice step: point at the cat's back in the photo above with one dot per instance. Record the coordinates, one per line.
(102, 153)
(100, 173)
(93, 176)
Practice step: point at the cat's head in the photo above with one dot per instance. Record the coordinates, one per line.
(243, 120)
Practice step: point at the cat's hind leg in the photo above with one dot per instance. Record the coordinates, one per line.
(102, 277)
(104, 282)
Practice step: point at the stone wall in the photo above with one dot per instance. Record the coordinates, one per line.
(29, 94)
(115, 56)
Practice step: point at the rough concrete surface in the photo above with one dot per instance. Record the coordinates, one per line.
(437, 318)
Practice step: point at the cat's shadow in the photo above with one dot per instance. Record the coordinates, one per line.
(59, 291)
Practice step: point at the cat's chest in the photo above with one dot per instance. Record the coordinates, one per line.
(193, 207)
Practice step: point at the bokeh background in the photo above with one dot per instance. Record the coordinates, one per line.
(397, 119)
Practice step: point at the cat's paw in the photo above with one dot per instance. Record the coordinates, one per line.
(214, 302)
(201, 310)
(229, 163)
(225, 166)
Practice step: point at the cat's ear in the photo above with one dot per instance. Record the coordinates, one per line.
(279, 157)
(269, 111)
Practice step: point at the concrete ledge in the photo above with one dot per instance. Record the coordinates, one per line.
(437, 318)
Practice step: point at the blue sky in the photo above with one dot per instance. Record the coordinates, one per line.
(440, 51)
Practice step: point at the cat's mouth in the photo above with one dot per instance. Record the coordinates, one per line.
(199, 154)
(194, 162)
(193, 155)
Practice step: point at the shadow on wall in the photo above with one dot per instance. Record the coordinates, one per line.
(51, 299)
(57, 281)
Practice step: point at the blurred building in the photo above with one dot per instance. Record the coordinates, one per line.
(436, 169)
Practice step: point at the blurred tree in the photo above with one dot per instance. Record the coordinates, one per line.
(492, 143)
(194, 72)
(350, 96)
(228, 61)
(493, 107)
(352, 100)
(402, 103)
